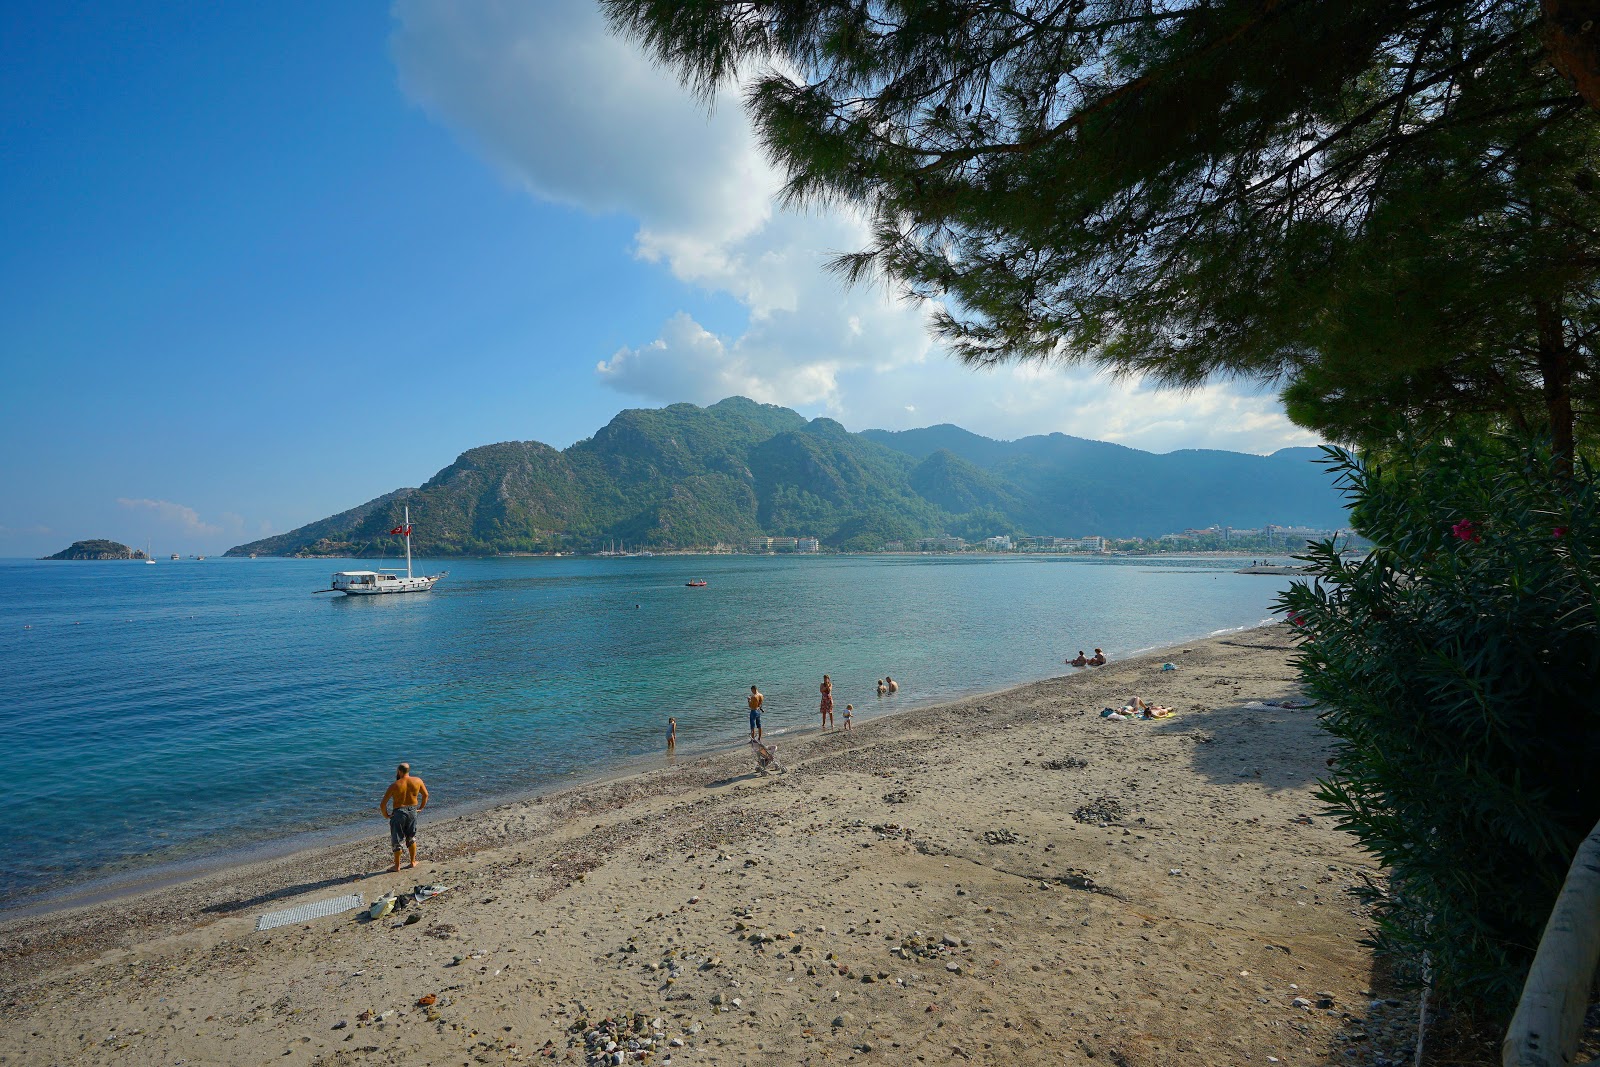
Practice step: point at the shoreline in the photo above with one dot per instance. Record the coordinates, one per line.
(1004, 878)
(114, 884)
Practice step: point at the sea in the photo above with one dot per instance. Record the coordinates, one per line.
(162, 719)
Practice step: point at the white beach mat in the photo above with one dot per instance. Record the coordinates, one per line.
(315, 910)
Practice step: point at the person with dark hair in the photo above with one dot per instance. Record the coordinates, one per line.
(756, 699)
(407, 795)
(1099, 659)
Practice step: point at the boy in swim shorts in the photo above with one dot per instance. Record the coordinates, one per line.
(849, 710)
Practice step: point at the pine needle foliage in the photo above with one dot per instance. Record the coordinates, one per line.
(1380, 202)
(1458, 663)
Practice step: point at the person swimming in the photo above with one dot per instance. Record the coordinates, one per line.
(1081, 661)
(894, 686)
(882, 689)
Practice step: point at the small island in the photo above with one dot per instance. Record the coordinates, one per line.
(97, 549)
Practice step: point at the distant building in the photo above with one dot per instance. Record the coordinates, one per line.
(807, 544)
(1081, 544)
(940, 544)
(777, 544)
(1061, 544)
(894, 546)
(1001, 543)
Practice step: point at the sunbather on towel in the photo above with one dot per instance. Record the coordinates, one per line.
(1148, 711)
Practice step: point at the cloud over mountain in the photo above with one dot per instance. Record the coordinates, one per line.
(579, 117)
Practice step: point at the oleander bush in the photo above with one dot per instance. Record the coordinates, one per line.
(1458, 664)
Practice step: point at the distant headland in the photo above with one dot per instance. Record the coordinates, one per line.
(97, 549)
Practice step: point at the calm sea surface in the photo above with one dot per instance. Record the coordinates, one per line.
(158, 714)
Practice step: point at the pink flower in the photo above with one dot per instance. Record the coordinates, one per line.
(1559, 532)
(1466, 530)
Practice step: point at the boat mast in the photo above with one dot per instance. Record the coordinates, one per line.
(408, 542)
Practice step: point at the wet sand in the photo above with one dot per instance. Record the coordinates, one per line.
(1004, 879)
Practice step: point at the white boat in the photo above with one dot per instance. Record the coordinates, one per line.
(371, 583)
(148, 558)
(175, 556)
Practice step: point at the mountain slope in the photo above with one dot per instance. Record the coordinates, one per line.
(684, 476)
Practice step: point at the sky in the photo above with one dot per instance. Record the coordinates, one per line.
(262, 263)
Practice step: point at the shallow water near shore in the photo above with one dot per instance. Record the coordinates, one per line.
(163, 714)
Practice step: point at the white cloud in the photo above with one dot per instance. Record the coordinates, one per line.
(577, 116)
(185, 518)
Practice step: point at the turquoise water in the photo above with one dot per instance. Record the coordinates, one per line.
(162, 713)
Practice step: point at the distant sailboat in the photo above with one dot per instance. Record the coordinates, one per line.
(148, 558)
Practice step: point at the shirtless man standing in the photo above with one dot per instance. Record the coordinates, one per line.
(408, 796)
(755, 700)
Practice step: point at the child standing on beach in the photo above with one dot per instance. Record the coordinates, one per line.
(672, 734)
(848, 709)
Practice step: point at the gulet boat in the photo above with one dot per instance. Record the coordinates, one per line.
(372, 583)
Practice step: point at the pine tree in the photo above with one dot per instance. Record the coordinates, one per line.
(1389, 208)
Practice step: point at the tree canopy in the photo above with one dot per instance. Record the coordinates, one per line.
(1388, 208)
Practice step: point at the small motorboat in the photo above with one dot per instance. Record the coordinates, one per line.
(698, 583)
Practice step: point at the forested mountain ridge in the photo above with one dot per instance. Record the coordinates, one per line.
(685, 476)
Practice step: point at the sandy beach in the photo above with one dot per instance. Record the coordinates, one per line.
(1005, 879)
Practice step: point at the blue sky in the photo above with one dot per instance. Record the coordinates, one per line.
(262, 263)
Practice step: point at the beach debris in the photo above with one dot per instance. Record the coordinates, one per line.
(1066, 763)
(428, 1001)
(382, 906)
(1101, 811)
(315, 910)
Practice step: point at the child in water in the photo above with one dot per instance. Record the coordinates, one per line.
(848, 710)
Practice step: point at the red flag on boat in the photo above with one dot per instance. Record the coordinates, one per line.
(401, 531)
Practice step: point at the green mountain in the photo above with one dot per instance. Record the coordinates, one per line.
(98, 549)
(686, 476)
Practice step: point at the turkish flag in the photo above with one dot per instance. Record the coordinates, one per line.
(401, 531)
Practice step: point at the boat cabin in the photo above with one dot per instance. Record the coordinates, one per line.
(361, 579)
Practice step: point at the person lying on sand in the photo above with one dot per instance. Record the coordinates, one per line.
(1098, 660)
(408, 795)
(1148, 711)
(1081, 661)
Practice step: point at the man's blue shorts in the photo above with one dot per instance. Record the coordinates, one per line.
(755, 718)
